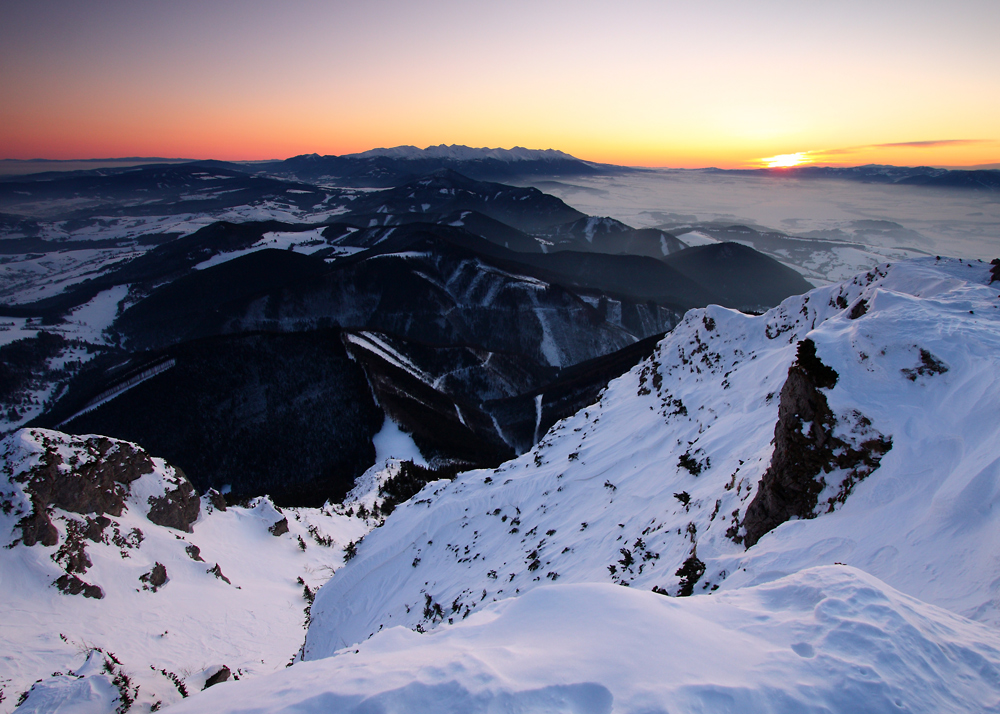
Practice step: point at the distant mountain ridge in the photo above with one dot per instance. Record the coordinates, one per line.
(381, 168)
(983, 179)
(459, 152)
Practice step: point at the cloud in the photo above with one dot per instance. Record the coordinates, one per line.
(928, 144)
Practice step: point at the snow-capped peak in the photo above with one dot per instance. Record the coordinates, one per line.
(456, 152)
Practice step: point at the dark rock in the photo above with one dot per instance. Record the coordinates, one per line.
(178, 508)
(37, 528)
(821, 375)
(96, 483)
(72, 553)
(95, 528)
(995, 270)
(72, 585)
(929, 365)
(859, 309)
(805, 449)
(217, 500)
(217, 572)
(221, 676)
(279, 528)
(155, 578)
(194, 553)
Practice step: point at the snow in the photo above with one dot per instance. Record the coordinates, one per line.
(391, 442)
(462, 153)
(923, 522)
(527, 587)
(828, 639)
(93, 318)
(195, 621)
(298, 241)
(375, 344)
(694, 238)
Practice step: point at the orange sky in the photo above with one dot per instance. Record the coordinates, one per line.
(655, 83)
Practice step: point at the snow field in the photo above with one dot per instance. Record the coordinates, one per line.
(825, 639)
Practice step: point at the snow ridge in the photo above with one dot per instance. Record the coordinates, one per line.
(649, 486)
(828, 639)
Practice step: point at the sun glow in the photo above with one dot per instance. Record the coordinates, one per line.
(785, 160)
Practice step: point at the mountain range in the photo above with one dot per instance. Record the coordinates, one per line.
(476, 293)
(551, 461)
(788, 511)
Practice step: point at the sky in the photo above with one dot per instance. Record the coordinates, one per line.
(658, 83)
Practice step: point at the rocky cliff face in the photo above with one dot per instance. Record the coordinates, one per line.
(806, 449)
(169, 589)
(88, 475)
(52, 477)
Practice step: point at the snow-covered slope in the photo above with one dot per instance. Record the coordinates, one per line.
(828, 639)
(650, 487)
(119, 579)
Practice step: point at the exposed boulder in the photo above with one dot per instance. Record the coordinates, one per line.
(155, 578)
(279, 528)
(177, 508)
(217, 500)
(929, 366)
(95, 528)
(72, 585)
(222, 675)
(216, 570)
(806, 450)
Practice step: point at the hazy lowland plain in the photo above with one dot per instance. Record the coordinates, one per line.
(852, 225)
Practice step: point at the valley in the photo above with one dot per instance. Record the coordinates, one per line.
(515, 433)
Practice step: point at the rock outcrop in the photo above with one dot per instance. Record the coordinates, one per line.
(806, 449)
(86, 475)
(54, 476)
(176, 508)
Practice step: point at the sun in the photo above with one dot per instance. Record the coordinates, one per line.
(782, 161)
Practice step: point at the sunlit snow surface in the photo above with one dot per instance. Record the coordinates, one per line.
(829, 639)
(516, 574)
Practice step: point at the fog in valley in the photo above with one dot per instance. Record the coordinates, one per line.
(850, 225)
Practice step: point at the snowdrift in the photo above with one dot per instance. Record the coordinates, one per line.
(826, 639)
